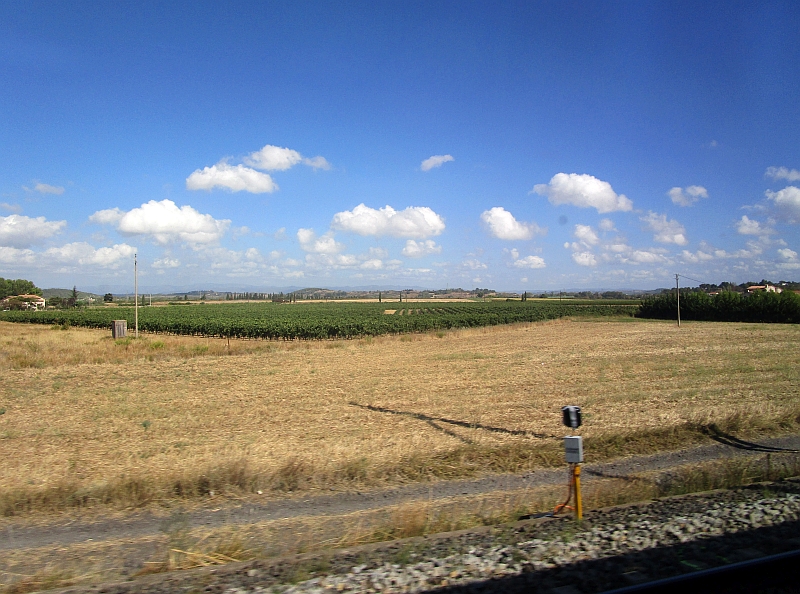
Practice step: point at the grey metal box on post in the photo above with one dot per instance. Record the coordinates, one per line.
(573, 448)
(119, 329)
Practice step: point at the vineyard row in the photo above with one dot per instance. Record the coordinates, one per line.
(313, 321)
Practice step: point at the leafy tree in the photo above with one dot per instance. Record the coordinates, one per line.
(25, 287)
(108, 298)
(19, 286)
(727, 305)
(726, 286)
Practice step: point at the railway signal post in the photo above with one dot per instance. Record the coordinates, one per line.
(573, 448)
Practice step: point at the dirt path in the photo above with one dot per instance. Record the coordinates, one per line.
(18, 535)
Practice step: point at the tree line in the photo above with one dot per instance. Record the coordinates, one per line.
(20, 286)
(727, 306)
(740, 288)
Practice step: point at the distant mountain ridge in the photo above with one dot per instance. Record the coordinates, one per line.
(67, 293)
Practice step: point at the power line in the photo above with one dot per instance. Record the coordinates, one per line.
(690, 278)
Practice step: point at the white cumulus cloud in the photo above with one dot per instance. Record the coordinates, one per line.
(607, 225)
(45, 189)
(328, 260)
(787, 200)
(503, 225)
(617, 247)
(788, 255)
(235, 178)
(435, 161)
(648, 257)
(276, 158)
(584, 258)
(325, 244)
(83, 254)
(415, 222)
(15, 256)
(582, 248)
(696, 257)
(584, 191)
(748, 226)
(418, 249)
(273, 158)
(109, 216)
(233, 263)
(665, 231)
(687, 196)
(20, 231)
(586, 235)
(474, 264)
(783, 173)
(530, 262)
(372, 264)
(165, 222)
(165, 262)
(317, 162)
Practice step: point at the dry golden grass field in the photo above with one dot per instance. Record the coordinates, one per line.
(88, 421)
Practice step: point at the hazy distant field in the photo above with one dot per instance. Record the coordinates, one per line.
(87, 419)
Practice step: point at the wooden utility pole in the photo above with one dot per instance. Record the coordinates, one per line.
(136, 295)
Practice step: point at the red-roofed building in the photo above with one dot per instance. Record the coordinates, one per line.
(767, 288)
(34, 302)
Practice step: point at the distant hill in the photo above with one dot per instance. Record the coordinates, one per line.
(67, 293)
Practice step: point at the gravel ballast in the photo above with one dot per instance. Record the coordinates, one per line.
(611, 548)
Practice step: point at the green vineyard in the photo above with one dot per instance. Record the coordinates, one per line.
(314, 321)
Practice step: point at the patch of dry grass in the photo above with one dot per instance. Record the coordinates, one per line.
(97, 423)
(38, 347)
(45, 579)
(180, 547)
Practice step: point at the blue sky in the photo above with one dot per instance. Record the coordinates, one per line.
(518, 146)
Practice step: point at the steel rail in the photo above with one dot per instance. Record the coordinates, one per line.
(724, 578)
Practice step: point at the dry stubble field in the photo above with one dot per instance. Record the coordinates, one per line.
(88, 421)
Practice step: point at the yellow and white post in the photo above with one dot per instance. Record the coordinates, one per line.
(573, 448)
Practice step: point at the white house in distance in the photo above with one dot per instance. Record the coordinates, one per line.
(767, 288)
(35, 302)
